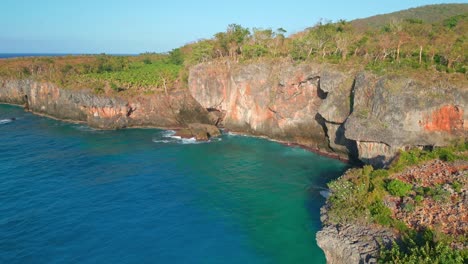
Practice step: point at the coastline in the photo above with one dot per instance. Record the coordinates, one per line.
(177, 128)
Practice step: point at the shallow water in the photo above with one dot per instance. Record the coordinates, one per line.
(72, 194)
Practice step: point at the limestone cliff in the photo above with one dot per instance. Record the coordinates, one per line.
(176, 109)
(353, 114)
(356, 115)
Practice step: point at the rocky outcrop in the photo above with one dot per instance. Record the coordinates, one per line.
(392, 113)
(357, 115)
(174, 110)
(201, 132)
(352, 244)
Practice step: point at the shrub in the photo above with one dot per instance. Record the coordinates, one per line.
(421, 249)
(446, 154)
(456, 185)
(398, 188)
(439, 194)
(379, 174)
(381, 213)
(347, 201)
(418, 198)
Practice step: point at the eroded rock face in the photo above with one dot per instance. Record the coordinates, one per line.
(393, 113)
(177, 109)
(355, 115)
(280, 101)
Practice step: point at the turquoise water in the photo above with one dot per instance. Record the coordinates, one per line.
(71, 194)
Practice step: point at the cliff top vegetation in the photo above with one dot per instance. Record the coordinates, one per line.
(424, 43)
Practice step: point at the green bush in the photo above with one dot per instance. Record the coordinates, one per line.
(446, 154)
(421, 249)
(381, 213)
(418, 198)
(457, 186)
(379, 174)
(439, 194)
(398, 188)
(347, 201)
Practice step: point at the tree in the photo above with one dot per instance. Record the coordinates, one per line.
(202, 51)
(279, 39)
(176, 57)
(236, 34)
(343, 38)
(319, 36)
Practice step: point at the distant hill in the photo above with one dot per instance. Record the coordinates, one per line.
(428, 14)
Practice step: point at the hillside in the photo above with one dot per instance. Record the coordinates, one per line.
(427, 14)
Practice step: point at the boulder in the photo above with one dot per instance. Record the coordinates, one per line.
(201, 132)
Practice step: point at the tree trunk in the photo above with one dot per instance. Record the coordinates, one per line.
(164, 84)
(310, 52)
(398, 52)
(420, 54)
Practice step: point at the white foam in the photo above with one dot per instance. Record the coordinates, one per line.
(325, 194)
(5, 121)
(168, 136)
(85, 128)
(168, 133)
(161, 141)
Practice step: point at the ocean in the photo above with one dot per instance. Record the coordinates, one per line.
(72, 194)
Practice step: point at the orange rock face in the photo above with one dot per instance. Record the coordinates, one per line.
(448, 118)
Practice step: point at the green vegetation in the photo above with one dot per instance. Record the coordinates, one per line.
(154, 75)
(103, 73)
(422, 247)
(398, 188)
(431, 38)
(362, 196)
(417, 156)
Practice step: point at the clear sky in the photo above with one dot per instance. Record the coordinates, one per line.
(136, 26)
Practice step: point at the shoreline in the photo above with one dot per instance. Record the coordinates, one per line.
(224, 130)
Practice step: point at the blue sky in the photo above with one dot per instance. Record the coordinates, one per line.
(136, 26)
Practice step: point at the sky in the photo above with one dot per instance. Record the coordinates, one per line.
(137, 26)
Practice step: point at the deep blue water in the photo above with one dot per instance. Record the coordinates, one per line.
(71, 194)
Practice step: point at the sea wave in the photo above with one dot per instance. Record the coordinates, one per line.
(168, 136)
(5, 121)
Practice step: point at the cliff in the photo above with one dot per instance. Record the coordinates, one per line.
(357, 115)
(173, 110)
